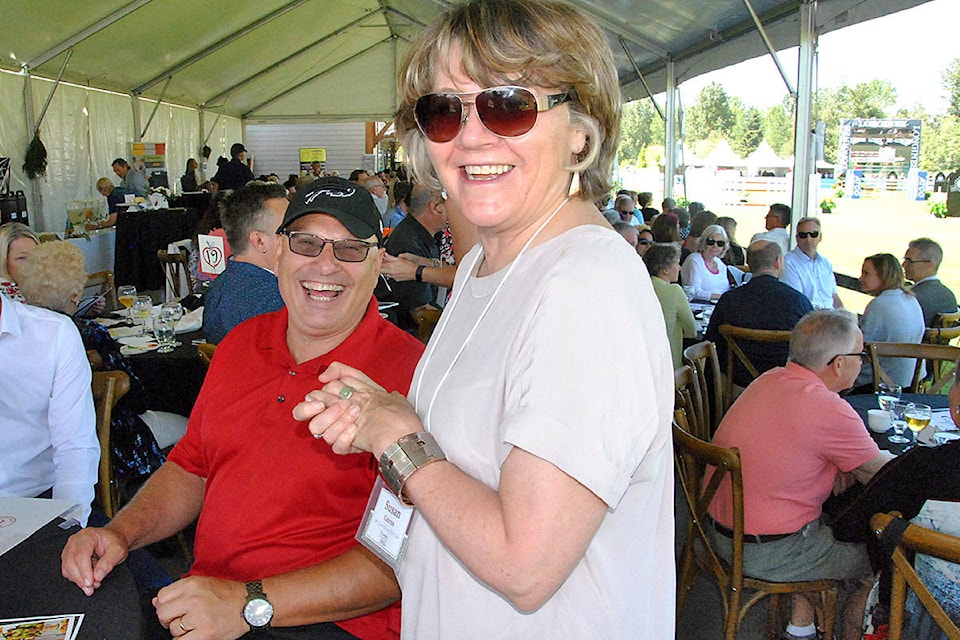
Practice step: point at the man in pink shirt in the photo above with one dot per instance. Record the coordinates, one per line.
(799, 440)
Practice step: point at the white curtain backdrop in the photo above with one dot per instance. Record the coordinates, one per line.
(84, 130)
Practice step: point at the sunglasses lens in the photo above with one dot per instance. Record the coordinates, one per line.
(439, 116)
(507, 111)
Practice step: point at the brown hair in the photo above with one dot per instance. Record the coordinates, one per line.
(520, 42)
(889, 270)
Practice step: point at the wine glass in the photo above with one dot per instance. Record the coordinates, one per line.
(141, 310)
(917, 417)
(887, 394)
(126, 294)
(899, 422)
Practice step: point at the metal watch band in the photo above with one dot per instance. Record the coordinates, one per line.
(402, 458)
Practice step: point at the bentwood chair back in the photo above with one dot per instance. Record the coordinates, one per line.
(108, 387)
(702, 358)
(205, 350)
(103, 281)
(701, 467)
(176, 271)
(737, 338)
(940, 335)
(917, 539)
(946, 320)
(426, 318)
(687, 398)
(937, 353)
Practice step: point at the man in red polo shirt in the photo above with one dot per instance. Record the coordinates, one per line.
(278, 510)
(799, 440)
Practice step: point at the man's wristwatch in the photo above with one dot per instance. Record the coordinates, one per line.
(258, 612)
(419, 274)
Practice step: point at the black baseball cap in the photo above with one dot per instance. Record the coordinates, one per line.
(348, 202)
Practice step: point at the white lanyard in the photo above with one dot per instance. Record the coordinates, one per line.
(449, 312)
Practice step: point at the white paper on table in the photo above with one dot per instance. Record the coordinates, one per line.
(212, 260)
(20, 518)
(940, 418)
(191, 321)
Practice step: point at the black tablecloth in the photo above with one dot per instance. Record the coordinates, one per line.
(140, 234)
(864, 402)
(172, 380)
(31, 585)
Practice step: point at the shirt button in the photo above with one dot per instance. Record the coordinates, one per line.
(293, 373)
(280, 398)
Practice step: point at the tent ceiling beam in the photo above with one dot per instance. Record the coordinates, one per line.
(296, 54)
(770, 47)
(643, 80)
(614, 24)
(216, 46)
(317, 76)
(82, 35)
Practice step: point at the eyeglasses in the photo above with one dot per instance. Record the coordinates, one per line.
(505, 111)
(307, 244)
(863, 355)
(808, 234)
(720, 243)
(912, 261)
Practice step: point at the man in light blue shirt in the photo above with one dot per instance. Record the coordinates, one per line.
(809, 272)
(132, 181)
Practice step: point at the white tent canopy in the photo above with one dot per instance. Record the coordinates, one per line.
(232, 63)
(765, 157)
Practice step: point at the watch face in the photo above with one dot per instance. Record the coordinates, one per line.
(258, 612)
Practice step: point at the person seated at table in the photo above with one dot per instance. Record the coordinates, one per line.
(920, 265)
(704, 270)
(48, 439)
(17, 240)
(785, 485)
(53, 278)
(248, 286)
(735, 255)
(663, 265)
(762, 303)
(114, 196)
(894, 315)
(666, 227)
(698, 223)
(131, 180)
(278, 509)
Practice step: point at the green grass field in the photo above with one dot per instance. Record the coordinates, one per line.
(859, 228)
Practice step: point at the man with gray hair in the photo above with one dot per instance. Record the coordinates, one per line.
(807, 271)
(763, 303)
(799, 441)
(920, 264)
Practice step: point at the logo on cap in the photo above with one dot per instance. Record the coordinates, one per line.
(333, 193)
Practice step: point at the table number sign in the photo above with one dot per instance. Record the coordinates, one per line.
(212, 261)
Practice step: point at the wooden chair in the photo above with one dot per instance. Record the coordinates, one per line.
(205, 350)
(917, 539)
(175, 268)
(739, 593)
(702, 358)
(690, 402)
(108, 387)
(937, 353)
(735, 338)
(426, 318)
(95, 360)
(946, 320)
(103, 280)
(940, 335)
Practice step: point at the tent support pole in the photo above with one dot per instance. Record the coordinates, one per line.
(35, 195)
(643, 80)
(135, 105)
(803, 137)
(770, 48)
(670, 143)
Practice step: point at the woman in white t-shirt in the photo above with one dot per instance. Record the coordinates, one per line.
(703, 273)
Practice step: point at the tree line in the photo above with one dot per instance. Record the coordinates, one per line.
(715, 116)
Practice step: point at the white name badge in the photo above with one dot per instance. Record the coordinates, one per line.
(385, 525)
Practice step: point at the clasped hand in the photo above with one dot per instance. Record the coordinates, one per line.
(352, 413)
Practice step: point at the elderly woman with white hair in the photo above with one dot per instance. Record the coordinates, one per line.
(703, 273)
(53, 277)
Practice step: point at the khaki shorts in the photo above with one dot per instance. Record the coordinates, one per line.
(810, 554)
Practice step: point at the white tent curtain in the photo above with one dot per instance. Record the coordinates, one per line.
(84, 130)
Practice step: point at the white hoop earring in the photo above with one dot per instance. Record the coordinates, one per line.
(574, 185)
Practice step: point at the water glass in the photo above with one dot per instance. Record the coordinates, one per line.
(887, 394)
(900, 422)
(141, 309)
(171, 310)
(163, 330)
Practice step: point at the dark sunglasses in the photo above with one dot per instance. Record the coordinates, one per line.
(347, 250)
(720, 243)
(505, 111)
(808, 234)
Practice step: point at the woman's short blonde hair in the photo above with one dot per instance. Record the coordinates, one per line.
(53, 276)
(10, 232)
(520, 42)
(104, 184)
(713, 230)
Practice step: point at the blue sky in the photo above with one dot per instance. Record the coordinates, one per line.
(857, 54)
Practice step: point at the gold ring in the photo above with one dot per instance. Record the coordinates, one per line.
(345, 392)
